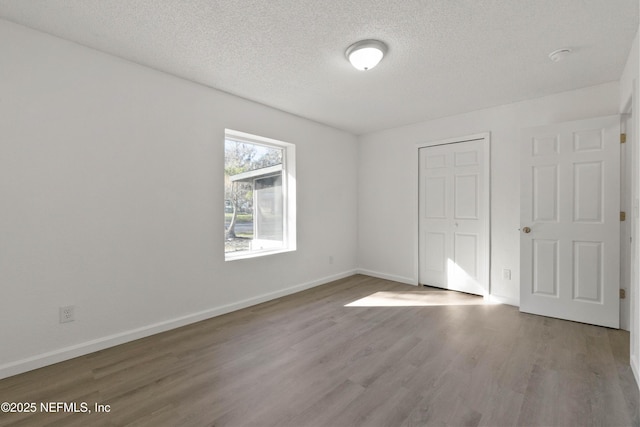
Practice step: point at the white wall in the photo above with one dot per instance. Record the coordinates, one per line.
(387, 201)
(111, 199)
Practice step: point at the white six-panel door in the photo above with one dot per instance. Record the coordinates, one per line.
(453, 219)
(570, 207)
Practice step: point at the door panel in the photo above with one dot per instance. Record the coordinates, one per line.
(466, 197)
(587, 271)
(453, 227)
(545, 267)
(545, 203)
(435, 190)
(435, 254)
(466, 253)
(587, 184)
(570, 200)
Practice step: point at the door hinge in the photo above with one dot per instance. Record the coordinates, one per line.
(623, 293)
(623, 138)
(623, 216)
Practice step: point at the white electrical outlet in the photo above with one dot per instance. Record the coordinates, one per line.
(67, 314)
(331, 259)
(506, 274)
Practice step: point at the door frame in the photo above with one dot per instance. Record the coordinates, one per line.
(627, 227)
(485, 275)
(631, 108)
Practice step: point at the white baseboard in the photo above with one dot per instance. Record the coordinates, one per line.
(66, 353)
(636, 371)
(401, 279)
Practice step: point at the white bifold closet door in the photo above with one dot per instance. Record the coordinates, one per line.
(453, 215)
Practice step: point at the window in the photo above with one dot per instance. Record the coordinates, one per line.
(259, 196)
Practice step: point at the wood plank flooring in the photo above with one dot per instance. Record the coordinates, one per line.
(356, 352)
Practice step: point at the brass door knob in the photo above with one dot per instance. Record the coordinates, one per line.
(526, 230)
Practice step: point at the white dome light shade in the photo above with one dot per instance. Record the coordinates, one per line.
(366, 54)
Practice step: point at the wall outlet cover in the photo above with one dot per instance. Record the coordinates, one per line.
(67, 314)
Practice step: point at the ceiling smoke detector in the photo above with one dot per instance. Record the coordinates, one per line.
(560, 54)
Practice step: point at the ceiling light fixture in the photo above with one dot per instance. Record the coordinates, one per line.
(560, 54)
(366, 54)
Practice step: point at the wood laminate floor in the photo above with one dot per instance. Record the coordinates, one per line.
(358, 351)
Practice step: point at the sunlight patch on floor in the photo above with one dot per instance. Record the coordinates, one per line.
(417, 299)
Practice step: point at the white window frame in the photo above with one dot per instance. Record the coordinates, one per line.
(288, 194)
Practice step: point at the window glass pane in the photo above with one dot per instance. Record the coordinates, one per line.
(254, 210)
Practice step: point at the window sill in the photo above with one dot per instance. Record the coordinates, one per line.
(233, 256)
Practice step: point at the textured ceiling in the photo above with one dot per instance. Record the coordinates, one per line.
(445, 56)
